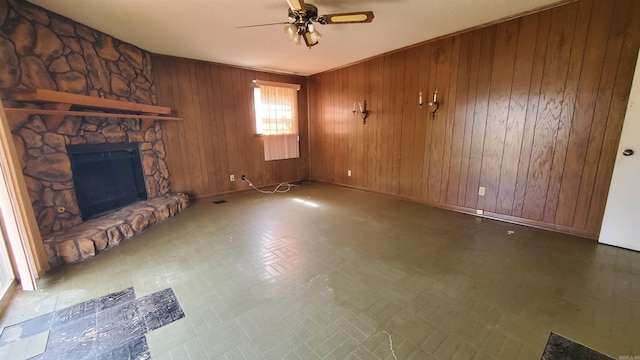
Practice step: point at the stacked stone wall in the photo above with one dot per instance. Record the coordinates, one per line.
(41, 49)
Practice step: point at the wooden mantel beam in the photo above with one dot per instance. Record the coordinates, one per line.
(51, 96)
(57, 105)
(89, 113)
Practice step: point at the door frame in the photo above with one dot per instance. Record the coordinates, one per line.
(619, 215)
(21, 232)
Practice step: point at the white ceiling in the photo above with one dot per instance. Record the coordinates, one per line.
(207, 29)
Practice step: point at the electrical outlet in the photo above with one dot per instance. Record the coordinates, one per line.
(348, 172)
(232, 178)
(479, 211)
(481, 190)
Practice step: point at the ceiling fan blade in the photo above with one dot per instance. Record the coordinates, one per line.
(347, 18)
(296, 5)
(270, 24)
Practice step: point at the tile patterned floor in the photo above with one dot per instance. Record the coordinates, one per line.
(560, 348)
(110, 327)
(325, 272)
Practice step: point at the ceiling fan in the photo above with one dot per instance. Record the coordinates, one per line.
(300, 26)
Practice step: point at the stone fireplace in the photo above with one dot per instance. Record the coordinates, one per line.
(106, 177)
(43, 50)
(40, 49)
(48, 170)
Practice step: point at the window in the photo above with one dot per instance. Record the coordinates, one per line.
(276, 109)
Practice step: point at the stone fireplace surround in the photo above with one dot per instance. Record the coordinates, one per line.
(43, 50)
(49, 179)
(47, 167)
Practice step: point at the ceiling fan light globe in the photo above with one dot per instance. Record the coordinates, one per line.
(315, 36)
(297, 39)
(291, 30)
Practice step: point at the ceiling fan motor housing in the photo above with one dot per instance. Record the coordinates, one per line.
(301, 17)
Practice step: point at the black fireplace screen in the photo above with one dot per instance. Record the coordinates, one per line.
(106, 177)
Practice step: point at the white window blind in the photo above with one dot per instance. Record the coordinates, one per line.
(276, 109)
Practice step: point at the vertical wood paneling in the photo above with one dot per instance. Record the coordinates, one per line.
(220, 146)
(376, 87)
(531, 109)
(397, 101)
(451, 97)
(533, 106)
(480, 115)
(209, 152)
(360, 133)
(518, 101)
(548, 121)
(229, 119)
(421, 120)
(386, 119)
(498, 113)
(317, 133)
(217, 137)
(197, 128)
(566, 115)
(601, 113)
(323, 143)
(470, 105)
(180, 182)
(352, 127)
(597, 34)
(441, 65)
(460, 126)
(428, 120)
(369, 131)
(617, 111)
(333, 106)
(408, 121)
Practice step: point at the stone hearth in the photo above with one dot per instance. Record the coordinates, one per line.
(96, 235)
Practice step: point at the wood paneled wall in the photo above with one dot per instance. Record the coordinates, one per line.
(531, 109)
(217, 137)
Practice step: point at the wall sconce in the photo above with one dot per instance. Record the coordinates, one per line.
(433, 104)
(362, 109)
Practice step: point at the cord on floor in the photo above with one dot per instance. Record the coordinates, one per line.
(277, 189)
(393, 353)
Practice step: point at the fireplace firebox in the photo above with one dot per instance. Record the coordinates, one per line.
(106, 177)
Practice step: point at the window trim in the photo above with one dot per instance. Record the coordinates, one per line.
(278, 146)
(257, 83)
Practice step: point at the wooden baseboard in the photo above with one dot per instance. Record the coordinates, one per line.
(488, 215)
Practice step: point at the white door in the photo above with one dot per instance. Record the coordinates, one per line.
(621, 223)
(6, 271)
